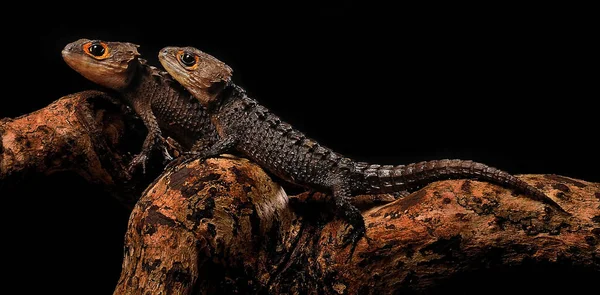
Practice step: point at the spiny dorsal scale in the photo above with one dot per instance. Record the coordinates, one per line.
(372, 177)
(361, 165)
(321, 151)
(284, 127)
(249, 104)
(273, 120)
(309, 144)
(261, 112)
(385, 177)
(397, 176)
(295, 136)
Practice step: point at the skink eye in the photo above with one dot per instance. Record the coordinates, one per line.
(96, 49)
(188, 59)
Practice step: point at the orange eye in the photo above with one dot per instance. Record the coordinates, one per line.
(96, 49)
(188, 59)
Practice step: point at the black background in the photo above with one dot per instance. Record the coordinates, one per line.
(511, 87)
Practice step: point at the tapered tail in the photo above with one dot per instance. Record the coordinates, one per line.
(387, 179)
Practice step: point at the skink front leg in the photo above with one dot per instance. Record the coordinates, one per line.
(143, 109)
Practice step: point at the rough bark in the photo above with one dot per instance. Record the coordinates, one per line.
(89, 133)
(224, 227)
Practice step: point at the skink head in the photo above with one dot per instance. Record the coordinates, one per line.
(110, 64)
(200, 73)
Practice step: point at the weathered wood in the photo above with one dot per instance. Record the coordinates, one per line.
(88, 132)
(224, 227)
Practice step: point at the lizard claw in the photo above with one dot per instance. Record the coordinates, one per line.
(173, 146)
(164, 144)
(165, 153)
(138, 160)
(184, 158)
(356, 229)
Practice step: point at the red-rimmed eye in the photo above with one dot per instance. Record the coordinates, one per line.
(96, 49)
(188, 59)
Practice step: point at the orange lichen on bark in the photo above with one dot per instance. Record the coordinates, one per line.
(224, 226)
(211, 230)
(87, 132)
(175, 243)
(56, 137)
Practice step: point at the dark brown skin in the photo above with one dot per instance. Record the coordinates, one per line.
(247, 127)
(162, 104)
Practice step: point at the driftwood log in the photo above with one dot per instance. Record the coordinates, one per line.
(89, 133)
(223, 226)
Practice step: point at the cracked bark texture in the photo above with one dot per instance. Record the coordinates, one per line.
(223, 227)
(89, 133)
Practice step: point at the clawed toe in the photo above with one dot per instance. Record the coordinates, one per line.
(356, 233)
(166, 154)
(355, 229)
(138, 160)
(184, 158)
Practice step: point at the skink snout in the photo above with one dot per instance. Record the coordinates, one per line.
(164, 52)
(68, 49)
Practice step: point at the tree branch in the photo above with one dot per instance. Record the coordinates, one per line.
(224, 227)
(89, 133)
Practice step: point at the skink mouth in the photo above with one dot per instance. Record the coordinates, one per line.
(68, 50)
(69, 46)
(68, 57)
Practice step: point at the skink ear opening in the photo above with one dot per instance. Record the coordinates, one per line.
(132, 48)
(217, 87)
